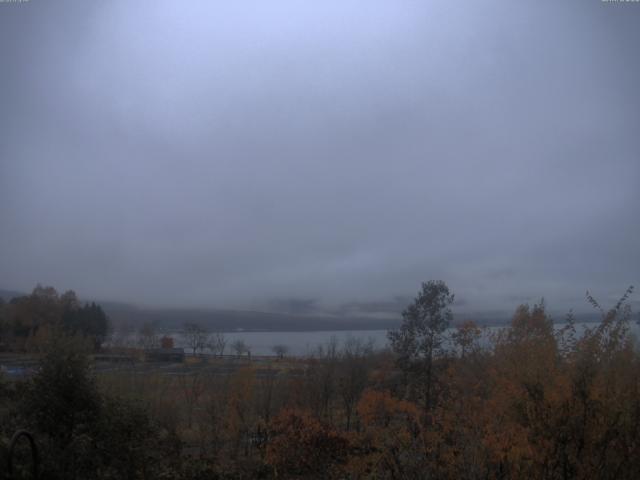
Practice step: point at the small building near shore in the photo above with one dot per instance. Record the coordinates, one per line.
(165, 354)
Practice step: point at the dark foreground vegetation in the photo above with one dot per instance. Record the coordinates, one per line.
(531, 402)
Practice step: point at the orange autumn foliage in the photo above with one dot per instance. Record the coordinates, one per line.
(300, 446)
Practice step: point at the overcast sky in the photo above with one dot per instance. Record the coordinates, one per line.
(241, 153)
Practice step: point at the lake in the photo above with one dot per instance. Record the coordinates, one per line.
(305, 343)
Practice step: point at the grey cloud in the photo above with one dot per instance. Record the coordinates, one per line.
(231, 154)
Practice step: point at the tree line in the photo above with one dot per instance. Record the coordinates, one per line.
(28, 322)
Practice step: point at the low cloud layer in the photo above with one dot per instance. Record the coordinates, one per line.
(305, 156)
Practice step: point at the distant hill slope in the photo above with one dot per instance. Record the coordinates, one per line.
(132, 316)
(7, 295)
(225, 320)
(231, 320)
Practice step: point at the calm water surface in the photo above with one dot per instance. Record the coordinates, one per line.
(306, 343)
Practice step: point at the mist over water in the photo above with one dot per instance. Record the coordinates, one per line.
(320, 157)
(233, 235)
